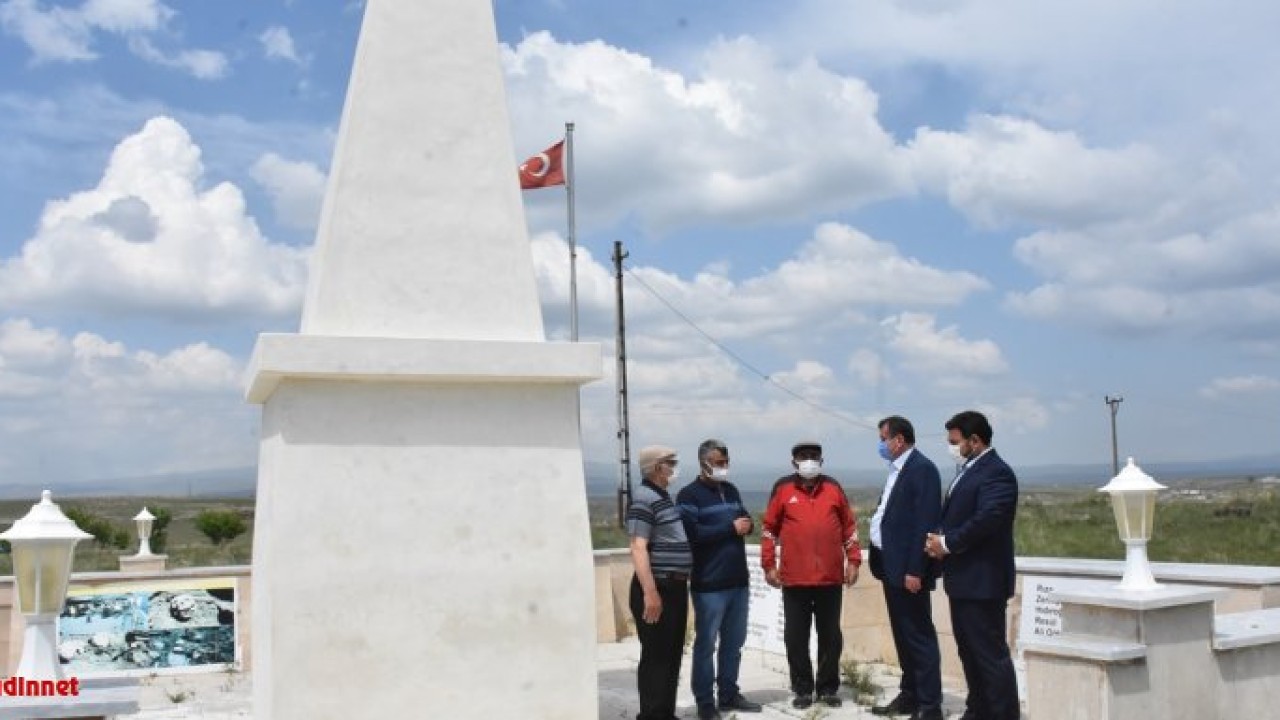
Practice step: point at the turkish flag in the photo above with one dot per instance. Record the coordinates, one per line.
(544, 169)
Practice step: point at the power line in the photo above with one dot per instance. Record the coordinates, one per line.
(743, 361)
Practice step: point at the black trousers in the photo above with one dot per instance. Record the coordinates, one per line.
(979, 627)
(661, 648)
(820, 607)
(916, 640)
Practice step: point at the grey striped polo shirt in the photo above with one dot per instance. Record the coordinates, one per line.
(655, 517)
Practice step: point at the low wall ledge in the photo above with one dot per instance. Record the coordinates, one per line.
(1165, 596)
(1087, 647)
(1238, 631)
(1251, 575)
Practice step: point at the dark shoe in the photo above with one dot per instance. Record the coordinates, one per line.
(901, 705)
(830, 700)
(741, 704)
(708, 712)
(970, 715)
(934, 714)
(802, 701)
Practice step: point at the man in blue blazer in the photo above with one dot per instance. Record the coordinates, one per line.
(975, 544)
(908, 511)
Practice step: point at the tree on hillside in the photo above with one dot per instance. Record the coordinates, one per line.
(221, 526)
(106, 534)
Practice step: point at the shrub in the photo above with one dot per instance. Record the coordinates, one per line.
(221, 526)
(106, 534)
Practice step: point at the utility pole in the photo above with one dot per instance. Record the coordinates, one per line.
(624, 432)
(1113, 403)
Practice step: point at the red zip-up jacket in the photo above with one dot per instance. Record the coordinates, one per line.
(817, 529)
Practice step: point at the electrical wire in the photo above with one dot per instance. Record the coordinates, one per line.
(832, 412)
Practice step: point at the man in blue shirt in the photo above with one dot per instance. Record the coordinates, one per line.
(716, 524)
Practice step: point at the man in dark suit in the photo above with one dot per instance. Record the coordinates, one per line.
(975, 544)
(908, 512)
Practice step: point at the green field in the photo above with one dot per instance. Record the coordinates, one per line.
(1225, 523)
(1228, 522)
(186, 548)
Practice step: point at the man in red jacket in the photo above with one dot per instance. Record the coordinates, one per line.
(810, 517)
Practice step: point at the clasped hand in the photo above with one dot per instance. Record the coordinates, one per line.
(933, 546)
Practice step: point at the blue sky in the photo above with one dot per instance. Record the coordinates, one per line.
(911, 207)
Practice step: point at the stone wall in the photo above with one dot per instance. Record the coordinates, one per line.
(864, 621)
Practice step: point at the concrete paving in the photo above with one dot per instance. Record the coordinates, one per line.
(763, 678)
(228, 696)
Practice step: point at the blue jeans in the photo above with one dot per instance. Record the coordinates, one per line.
(722, 613)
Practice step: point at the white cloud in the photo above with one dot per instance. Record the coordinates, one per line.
(748, 137)
(150, 238)
(1087, 62)
(23, 345)
(25, 352)
(1239, 385)
(1005, 169)
(1018, 415)
(829, 283)
(125, 15)
(296, 189)
(1240, 252)
(67, 34)
(58, 34)
(792, 316)
(200, 64)
(942, 353)
(91, 402)
(869, 367)
(733, 141)
(277, 44)
(809, 378)
(1144, 277)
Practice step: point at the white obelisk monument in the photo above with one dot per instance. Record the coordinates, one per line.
(422, 545)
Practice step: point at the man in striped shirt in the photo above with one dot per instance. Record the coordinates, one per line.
(660, 587)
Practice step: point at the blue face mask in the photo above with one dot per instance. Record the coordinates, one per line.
(883, 449)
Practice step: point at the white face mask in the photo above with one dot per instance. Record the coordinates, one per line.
(719, 474)
(809, 469)
(675, 475)
(955, 453)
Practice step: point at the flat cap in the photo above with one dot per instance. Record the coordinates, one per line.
(806, 445)
(650, 456)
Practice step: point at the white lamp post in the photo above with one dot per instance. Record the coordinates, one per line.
(1133, 497)
(143, 520)
(42, 543)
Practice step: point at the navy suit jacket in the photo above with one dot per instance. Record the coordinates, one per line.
(977, 522)
(910, 513)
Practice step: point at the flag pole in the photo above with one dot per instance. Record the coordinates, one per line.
(573, 241)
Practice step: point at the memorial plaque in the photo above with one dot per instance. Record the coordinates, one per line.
(765, 619)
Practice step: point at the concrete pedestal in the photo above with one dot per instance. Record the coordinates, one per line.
(422, 543)
(1125, 655)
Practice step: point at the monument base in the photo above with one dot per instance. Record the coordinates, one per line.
(422, 544)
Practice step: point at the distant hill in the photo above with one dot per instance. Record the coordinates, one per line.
(602, 478)
(224, 482)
